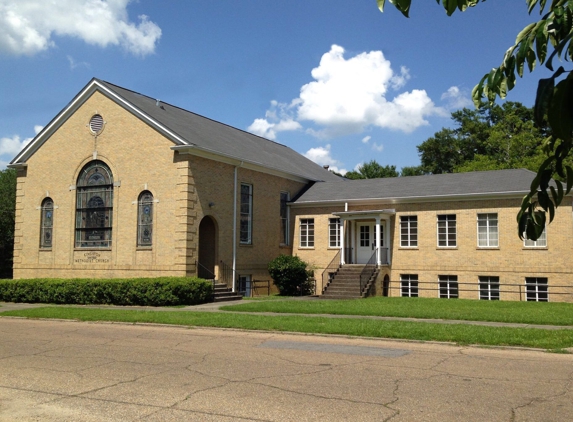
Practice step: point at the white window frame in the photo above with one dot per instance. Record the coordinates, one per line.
(490, 222)
(285, 219)
(533, 292)
(334, 232)
(451, 291)
(487, 289)
(409, 286)
(448, 224)
(409, 224)
(246, 215)
(306, 234)
(539, 243)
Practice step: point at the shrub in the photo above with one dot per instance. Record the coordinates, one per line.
(289, 275)
(163, 291)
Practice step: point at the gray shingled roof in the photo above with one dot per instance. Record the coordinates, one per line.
(474, 183)
(223, 139)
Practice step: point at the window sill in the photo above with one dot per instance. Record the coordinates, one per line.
(91, 249)
(45, 249)
(488, 248)
(446, 248)
(304, 248)
(535, 248)
(245, 245)
(408, 248)
(333, 248)
(144, 248)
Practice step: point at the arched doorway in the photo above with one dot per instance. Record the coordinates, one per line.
(386, 285)
(207, 248)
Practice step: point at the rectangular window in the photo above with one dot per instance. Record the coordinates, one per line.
(448, 286)
(284, 218)
(246, 228)
(447, 231)
(409, 231)
(409, 285)
(488, 236)
(536, 289)
(539, 243)
(307, 232)
(488, 288)
(334, 232)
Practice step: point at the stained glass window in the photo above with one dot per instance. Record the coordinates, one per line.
(145, 219)
(94, 206)
(47, 223)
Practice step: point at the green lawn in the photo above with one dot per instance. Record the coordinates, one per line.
(461, 334)
(468, 310)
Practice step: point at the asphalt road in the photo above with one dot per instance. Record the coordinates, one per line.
(74, 371)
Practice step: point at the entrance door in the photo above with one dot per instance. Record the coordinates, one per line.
(207, 248)
(366, 241)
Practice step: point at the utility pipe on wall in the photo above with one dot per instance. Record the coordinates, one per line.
(235, 226)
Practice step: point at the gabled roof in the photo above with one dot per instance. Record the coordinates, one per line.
(192, 133)
(419, 188)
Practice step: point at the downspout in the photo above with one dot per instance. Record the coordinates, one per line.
(235, 226)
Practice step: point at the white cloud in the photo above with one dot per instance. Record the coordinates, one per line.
(349, 95)
(321, 156)
(12, 146)
(366, 139)
(456, 98)
(74, 64)
(376, 147)
(277, 119)
(27, 27)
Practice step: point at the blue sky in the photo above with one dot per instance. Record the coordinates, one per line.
(335, 80)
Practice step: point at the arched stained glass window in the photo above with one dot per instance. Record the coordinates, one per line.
(145, 219)
(94, 206)
(47, 223)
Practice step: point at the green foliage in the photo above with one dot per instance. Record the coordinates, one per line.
(290, 275)
(539, 42)
(372, 170)
(491, 138)
(413, 171)
(164, 291)
(7, 215)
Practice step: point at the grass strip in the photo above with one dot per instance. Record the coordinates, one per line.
(468, 310)
(461, 334)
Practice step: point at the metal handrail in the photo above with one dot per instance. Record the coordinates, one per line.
(510, 288)
(198, 264)
(226, 274)
(368, 270)
(327, 273)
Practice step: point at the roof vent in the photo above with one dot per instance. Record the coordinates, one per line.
(96, 124)
(326, 166)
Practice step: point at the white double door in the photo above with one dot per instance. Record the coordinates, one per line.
(366, 241)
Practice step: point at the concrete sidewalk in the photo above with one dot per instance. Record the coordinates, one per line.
(215, 307)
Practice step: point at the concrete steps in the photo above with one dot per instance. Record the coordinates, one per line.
(222, 293)
(346, 283)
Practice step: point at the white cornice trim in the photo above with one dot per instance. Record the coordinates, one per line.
(229, 159)
(73, 106)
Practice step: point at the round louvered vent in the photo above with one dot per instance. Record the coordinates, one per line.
(96, 124)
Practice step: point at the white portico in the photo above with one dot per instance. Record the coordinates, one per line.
(365, 236)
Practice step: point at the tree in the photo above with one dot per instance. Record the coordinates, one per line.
(7, 219)
(372, 170)
(492, 138)
(553, 102)
(413, 171)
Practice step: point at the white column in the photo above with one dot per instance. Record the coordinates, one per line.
(378, 261)
(342, 242)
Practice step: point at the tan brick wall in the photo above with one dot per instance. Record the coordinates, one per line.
(140, 158)
(511, 261)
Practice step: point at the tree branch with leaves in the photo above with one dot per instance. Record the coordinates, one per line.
(538, 43)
